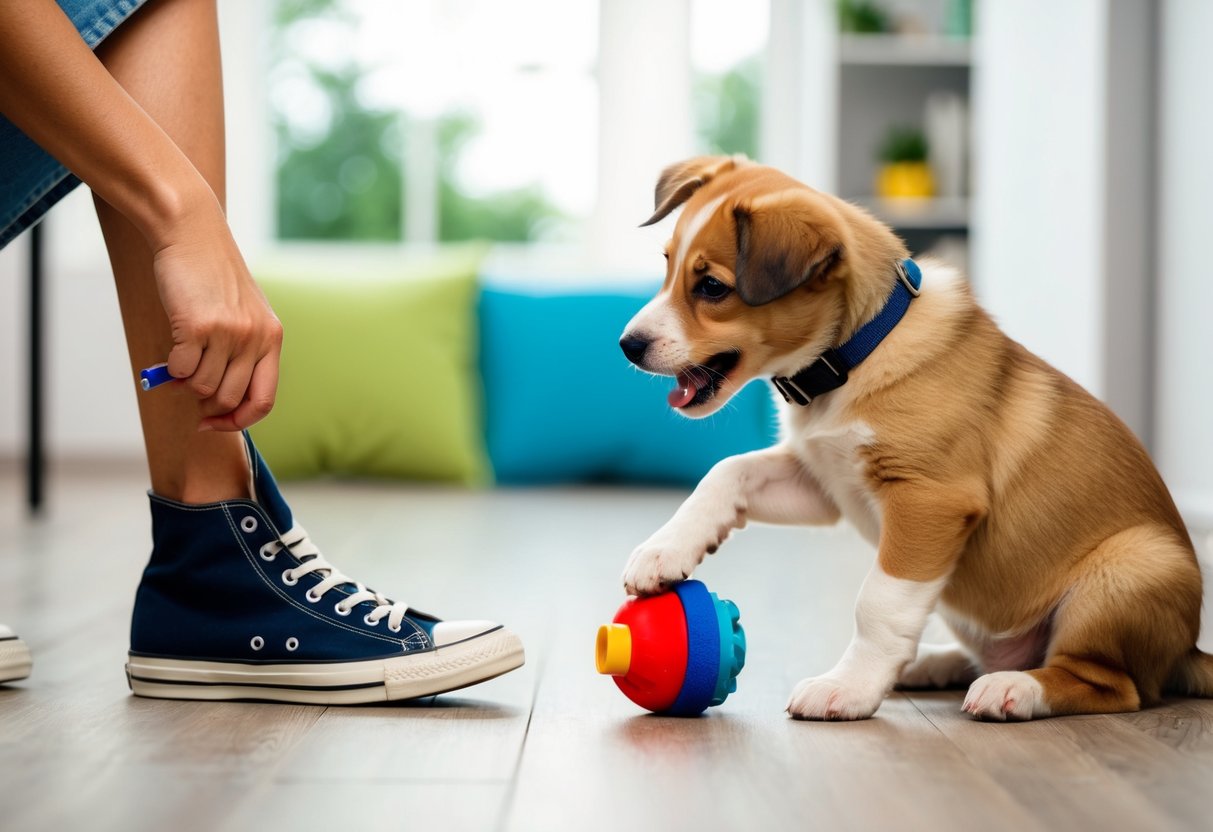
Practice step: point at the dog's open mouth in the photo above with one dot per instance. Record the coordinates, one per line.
(699, 382)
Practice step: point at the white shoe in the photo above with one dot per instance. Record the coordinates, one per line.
(15, 659)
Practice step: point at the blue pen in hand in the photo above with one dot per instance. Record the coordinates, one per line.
(154, 376)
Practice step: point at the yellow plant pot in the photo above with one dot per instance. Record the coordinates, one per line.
(899, 180)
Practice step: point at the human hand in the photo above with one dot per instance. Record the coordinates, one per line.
(226, 339)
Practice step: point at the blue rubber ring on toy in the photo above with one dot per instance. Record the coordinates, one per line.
(703, 650)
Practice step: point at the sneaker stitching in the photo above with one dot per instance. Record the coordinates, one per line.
(421, 670)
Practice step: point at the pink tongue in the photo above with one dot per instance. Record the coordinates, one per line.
(689, 383)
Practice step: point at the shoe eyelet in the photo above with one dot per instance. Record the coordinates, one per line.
(249, 524)
(257, 642)
(341, 610)
(394, 629)
(267, 555)
(292, 644)
(289, 579)
(310, 597)
(366, 619)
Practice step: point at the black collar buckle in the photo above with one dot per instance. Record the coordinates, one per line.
(828, 372)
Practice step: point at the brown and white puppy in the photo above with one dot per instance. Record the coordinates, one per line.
(996, 489)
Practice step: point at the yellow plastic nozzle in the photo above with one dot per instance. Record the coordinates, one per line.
(614, 653)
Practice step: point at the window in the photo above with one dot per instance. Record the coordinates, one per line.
(728, 43)
(443, 120)
(434, 121)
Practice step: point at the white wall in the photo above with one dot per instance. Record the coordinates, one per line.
(1184, 391)
(1039, 161)
(801, 83)
(644, 124)
(90, 404)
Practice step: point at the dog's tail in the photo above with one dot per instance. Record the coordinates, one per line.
(1193, 675)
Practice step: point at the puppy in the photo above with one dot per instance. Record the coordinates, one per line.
(996, 489)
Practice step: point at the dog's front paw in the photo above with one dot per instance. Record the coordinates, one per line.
(827, 697)
(659, 563)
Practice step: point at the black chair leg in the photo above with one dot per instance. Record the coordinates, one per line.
(36, 459)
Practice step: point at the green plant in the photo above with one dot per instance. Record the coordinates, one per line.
(862, 17)
(903, 144)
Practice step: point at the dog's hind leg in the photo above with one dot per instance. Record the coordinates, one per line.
(1131, 616)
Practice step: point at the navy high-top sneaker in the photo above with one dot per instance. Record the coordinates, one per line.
(15, 659)
(237, 603)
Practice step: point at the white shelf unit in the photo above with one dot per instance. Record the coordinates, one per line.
(936, 214)
(884, 81)
(903, 50)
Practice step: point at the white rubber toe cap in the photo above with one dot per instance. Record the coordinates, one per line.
(449, 632)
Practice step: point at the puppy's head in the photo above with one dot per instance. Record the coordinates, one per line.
(763, 273)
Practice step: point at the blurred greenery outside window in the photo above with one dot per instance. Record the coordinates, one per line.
(728, 107)
(728, 45)
(340, 165)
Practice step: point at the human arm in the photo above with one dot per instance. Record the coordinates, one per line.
(225, 338)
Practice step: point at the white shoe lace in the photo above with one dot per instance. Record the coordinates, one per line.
(310, 560)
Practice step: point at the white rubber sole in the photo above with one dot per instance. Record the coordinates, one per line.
(443, 669)
(15, 660)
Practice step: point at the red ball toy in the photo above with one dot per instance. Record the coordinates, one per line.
(677, 653)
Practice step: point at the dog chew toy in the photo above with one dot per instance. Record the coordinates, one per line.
(677, 653)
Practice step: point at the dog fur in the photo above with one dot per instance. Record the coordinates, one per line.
(997, 490)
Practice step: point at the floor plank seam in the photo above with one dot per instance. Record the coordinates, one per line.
(507, 805)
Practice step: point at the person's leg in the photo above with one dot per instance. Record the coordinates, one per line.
(237, 602)
(167, 58)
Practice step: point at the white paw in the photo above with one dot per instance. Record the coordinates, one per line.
(660, 562)
(1006, 695)
(827, 697)
(938, 666)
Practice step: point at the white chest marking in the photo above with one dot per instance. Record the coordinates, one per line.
(830, 449)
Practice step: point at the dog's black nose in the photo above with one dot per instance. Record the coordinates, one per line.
(634, 347)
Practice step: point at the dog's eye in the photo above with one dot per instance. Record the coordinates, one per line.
(712, 289)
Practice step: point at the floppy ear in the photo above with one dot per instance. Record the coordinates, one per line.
(780, 248)
(681, 179)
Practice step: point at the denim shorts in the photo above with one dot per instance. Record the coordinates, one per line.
(31, 181)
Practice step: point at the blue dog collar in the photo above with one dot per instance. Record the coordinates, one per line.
(829, 371)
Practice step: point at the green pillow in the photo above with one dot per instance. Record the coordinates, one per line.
(378, 369)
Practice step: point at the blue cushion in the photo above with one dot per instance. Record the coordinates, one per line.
(562, 404)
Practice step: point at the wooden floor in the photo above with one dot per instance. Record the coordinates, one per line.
(552, 746)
